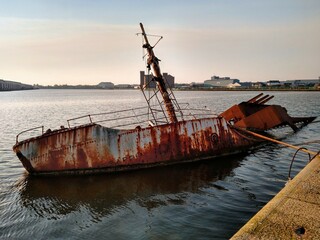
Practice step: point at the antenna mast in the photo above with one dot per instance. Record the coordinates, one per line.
(153, 63)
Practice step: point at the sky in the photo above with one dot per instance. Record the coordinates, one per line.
(74, 42)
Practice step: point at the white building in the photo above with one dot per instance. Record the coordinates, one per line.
(273, 83)
(224, 82)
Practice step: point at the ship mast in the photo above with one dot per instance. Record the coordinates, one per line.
(153, 63)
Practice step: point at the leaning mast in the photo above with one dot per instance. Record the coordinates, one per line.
(153, 63)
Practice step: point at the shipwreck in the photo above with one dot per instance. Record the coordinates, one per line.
(172, 133)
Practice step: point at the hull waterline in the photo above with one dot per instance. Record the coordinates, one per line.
(94, 148)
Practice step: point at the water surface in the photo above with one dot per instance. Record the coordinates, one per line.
(204, 200)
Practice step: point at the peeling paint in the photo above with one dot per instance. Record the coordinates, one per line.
(93, 146)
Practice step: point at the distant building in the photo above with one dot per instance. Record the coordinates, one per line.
(11, 86)
(197, 85)
(246, 84)
(224, 82)
(273, 83)
(123, 86)
(258, 85)
(234, 85)
(106, 85)
(148, 82)
(302, 82)
(182, 85)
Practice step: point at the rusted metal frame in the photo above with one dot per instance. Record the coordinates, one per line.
(235, 129)
(173, 99)
(294, 156)
(204, 114)
(160, 103)
(28, 130)
(198, 109)
(155, 92)
(107, 113)
(119, 111)
(149, 107)
(153, 62)
(68, 121)
(161, 106)
(137, 115)
(190, 113)
(177, 110)
(121, 118)
(162, 120)
(261, 99)
(161, 110)
(275, 141)
(159, 122)
(198, 114)
(125, 125)
(90, 118)
(252, 100)
(266, 100)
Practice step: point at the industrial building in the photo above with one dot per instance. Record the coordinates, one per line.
(148, 82)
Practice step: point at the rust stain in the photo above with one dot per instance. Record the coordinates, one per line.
(97, 147)
(254, 114)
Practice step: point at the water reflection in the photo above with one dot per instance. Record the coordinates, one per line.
(54, 197)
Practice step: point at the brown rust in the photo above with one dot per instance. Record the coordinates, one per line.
(254, 114)
(95, 147)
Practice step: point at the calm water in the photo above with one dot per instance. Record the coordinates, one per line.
(203, 200)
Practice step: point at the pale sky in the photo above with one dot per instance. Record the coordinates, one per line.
(86, 42)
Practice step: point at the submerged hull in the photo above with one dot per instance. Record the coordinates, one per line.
(94, 148)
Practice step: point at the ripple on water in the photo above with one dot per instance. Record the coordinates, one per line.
(204, 200)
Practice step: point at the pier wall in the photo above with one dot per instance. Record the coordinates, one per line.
(294, 213)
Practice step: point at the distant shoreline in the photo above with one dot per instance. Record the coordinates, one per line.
(252, 89)
(188, 89)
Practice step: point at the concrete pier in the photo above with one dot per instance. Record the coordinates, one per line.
(294, 213)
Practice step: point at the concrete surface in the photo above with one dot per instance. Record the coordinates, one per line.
(294, 213)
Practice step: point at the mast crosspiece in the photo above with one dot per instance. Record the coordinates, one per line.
(153, 64)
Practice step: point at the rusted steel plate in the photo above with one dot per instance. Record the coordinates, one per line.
(94, 147)
(267, 118)
(258, 116)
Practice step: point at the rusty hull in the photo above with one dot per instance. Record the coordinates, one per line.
(93, 148)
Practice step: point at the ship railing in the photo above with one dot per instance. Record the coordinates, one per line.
(139, 116)
(30, 130)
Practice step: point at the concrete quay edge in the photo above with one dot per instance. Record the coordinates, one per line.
(294, 213)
